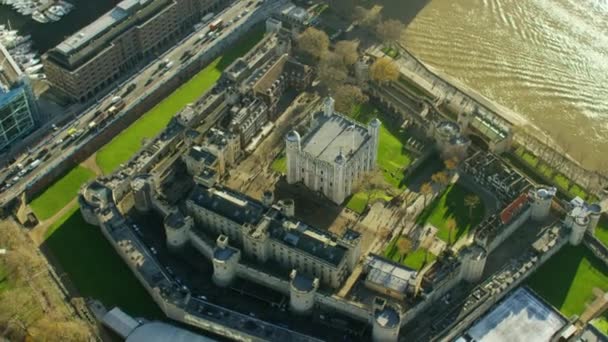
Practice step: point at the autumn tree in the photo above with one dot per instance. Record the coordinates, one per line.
(404, 245)
(451, 164)
(384, 69)
(348, 97)
(426, 189)
(314, 42)
(390, 31)
(370, 183)
(471, 202)
(332, 70)
(440, 178)
(450, 225)
(348, 50)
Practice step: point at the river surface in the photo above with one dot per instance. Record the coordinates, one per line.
(46, 36)
(545, 59)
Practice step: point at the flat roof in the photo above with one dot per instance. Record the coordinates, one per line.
(521, 317)
(103, 23)
(389, 274)
(229, 204)
(160, 332)
(333, 135)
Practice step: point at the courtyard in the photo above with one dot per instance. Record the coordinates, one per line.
(450, 206)
(415, 259)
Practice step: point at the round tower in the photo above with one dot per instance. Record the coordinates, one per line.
(540, 204)
(473, 263)
(373, 129)
(302, 292)
(292, 151)
(225, 261)
(289, 207)
(595, 212)
(386, 321)
(328, 106)
(579, 226)
(177, 228)
(268, 198)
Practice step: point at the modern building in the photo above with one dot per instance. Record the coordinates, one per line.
(266, 235)
(19, 113)
(133, 31)
(335, 153)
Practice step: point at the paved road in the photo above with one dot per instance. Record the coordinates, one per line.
(150, 74)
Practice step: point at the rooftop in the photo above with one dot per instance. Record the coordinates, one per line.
(229, 204)
(388, 317)
(334, 135)
(389, 274)
(320, 244)
(201, 155)
(520, 317)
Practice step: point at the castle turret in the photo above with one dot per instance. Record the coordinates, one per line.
(339, 174)
(595, 212)
(142, 193)
(374, 130)
(328, 106)
(540, 203)
(386, 321)
(225, 261)
(268, 198)
(288, 207)
(352, 240)
(302, 292)
(177, 228)
(578, 228)
(473, 263)
(292, 151)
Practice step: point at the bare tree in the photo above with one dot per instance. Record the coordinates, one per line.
(367, 17)
(348, 97)
(384, 69)
(332, 70)
(390, 31)
(313, 42)
(348, 50)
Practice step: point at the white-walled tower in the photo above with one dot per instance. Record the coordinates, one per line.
(578, 228)
(177, 229)
(540, 203)
(473, 263)
(302, 292)
(292, 152)
(225, 261)
(386, 321)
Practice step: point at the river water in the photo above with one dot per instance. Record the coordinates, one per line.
(546, 59)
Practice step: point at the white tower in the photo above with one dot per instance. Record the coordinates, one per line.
(339, 179)
(374, 130)
(288, 207)
(177, 229)
(595, 212)
(386, 321)
(540, 205)
(268, 198)
(302, 292)
(225, 261)
(579, 226)
(473, 263)
(328, 106)
(292, 148)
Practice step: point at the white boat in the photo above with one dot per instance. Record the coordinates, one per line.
(51, 16)
(34, 69)
(40, 17)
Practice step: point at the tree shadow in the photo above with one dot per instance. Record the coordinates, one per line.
(456, 209)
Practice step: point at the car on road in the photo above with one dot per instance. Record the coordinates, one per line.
(153, 250)
(129, 89)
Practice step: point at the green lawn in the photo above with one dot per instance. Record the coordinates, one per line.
(358, 201)
(601, 323)
(413, 259)
(389, 51)
(280, 163)
(393, 159)
(124, 145)
(568, 278)
(60, 193)
(601, 231)
(95, 268)
(451, 205)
